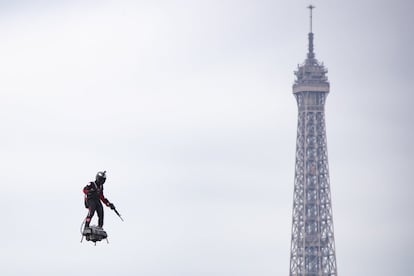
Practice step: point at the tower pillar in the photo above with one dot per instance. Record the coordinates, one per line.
(312, 243)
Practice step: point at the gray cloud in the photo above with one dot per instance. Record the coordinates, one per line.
(188, 106)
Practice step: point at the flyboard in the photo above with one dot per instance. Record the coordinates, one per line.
(94, 233)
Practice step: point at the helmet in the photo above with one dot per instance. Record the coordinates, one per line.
(100, 177)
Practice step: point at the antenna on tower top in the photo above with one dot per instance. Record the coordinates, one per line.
(311, 7)
(311, 55)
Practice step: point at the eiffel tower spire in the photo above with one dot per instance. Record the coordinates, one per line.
(311, 55)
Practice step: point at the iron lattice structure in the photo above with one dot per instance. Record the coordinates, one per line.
(313, 244)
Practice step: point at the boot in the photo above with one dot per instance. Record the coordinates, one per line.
(87, 230)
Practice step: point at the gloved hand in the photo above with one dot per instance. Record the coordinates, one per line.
(111, 206)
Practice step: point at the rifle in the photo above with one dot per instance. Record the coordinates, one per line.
(119, 215)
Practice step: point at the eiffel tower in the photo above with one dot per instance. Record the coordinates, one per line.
(313, 243)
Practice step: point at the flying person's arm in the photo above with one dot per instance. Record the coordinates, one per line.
(86, 189)
(106, 201)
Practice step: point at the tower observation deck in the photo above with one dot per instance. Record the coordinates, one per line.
(313, 244)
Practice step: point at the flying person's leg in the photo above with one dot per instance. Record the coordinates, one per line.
(92, 208)
(100, 211)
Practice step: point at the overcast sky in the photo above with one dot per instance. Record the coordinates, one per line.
(188, 105)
